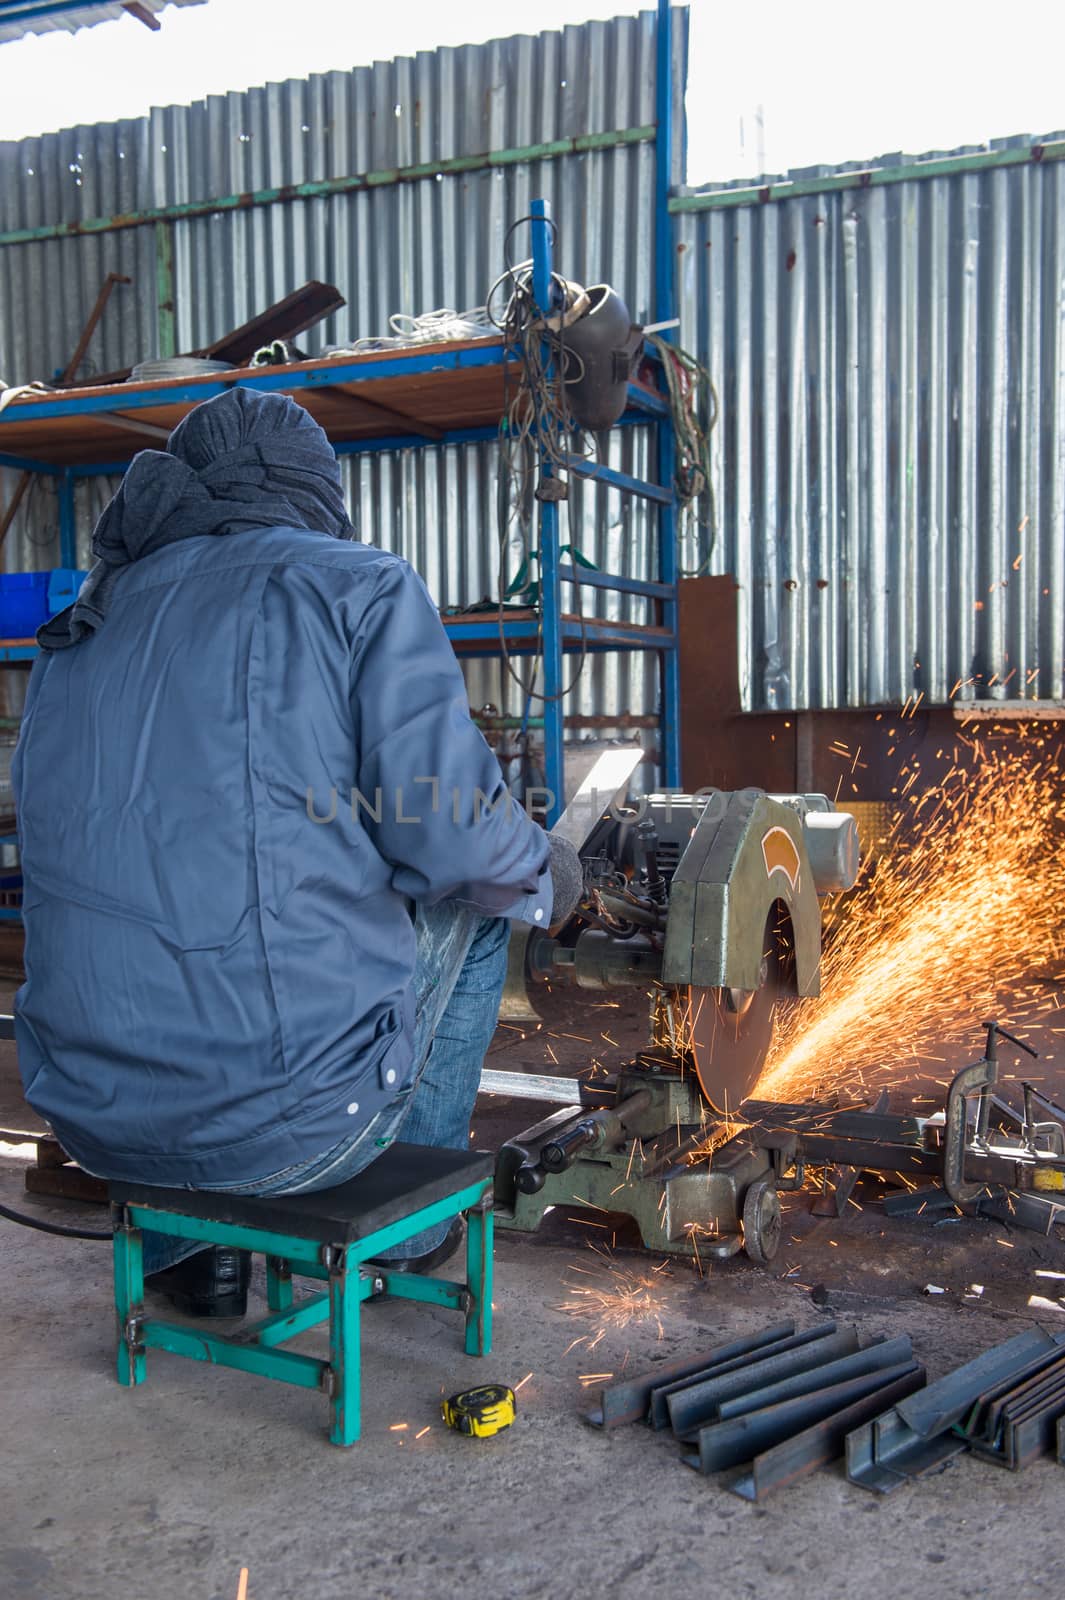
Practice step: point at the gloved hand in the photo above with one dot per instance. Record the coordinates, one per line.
(567, 879)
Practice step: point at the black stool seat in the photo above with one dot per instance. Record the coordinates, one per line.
(404, 1178)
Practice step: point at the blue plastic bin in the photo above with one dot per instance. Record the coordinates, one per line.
(23, 603)
(63, 586)
(29, 598)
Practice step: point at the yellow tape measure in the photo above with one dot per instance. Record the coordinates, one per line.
(480, 1412)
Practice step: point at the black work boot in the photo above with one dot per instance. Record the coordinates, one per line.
(212, 1283)
(455, 1236)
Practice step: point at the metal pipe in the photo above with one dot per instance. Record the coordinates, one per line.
(550, 583)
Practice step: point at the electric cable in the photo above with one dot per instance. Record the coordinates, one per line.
(52, 1227)
(691, 396)
(427, 327)
(536, 429)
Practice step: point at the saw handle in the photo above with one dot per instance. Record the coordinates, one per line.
(590, 1133)
(530, 1180)
(561, 1153)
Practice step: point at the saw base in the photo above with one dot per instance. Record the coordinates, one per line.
(621, 1152)
(651, 1171)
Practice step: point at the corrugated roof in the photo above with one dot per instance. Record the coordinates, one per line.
(20, 17)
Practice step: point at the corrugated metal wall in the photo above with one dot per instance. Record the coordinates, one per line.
(889, 465)
(408, 247)
(890, 462)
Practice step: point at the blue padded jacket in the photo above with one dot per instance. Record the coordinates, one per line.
(228, 797)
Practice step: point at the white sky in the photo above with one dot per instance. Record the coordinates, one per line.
(797, 82)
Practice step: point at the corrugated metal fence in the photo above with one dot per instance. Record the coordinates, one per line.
(889, 466)
(889, 463)
(407, 246)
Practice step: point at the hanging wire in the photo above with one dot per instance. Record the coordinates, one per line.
(692, 397)
(537, 426)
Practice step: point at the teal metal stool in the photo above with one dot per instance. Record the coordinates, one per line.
(330, 1236)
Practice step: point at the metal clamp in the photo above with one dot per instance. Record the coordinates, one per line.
(976, 1079)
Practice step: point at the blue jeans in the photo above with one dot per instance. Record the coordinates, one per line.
(460, 967)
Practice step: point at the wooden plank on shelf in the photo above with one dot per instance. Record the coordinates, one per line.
(422, 401)
(399, 397)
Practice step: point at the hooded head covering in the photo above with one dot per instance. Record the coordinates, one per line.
(242, 460)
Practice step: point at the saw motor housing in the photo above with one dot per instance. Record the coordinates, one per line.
(688, 883)
(711, 903)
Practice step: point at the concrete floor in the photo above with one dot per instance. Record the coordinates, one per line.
(165, 1492)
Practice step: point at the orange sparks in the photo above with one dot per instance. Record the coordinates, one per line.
(969, 882)
(614, 1299)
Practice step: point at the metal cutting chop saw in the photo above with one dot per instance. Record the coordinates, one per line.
(710, 904)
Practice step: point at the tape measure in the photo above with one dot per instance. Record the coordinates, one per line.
(480, 1412)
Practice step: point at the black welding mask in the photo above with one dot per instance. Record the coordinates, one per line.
(602, 345)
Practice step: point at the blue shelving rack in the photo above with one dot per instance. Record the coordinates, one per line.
(545, 629)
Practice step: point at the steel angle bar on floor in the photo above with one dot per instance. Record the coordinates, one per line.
(916, 1436)
(886, 1353)
(1032, 1211)
(1018, 1423)
(1032, 1434)
(983, 1417)
(629, 1401)
(927, 1200)
(691, 1409)
(820, 1444)
(832, 1201)
(947, 1401)
(778, 1337)
(730, 1444)
(884, 1452)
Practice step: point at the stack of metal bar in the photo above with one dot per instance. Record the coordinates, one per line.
(1007, 1404)
(778, 1403)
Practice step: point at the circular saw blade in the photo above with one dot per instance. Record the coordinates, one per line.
(731, 1031)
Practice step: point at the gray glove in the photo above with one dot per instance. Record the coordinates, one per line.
(567, 879)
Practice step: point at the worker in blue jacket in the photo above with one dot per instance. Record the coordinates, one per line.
(268, 858)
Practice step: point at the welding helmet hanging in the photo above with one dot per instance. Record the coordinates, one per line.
(601, 347)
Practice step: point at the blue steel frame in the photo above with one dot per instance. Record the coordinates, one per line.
(480, 636)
